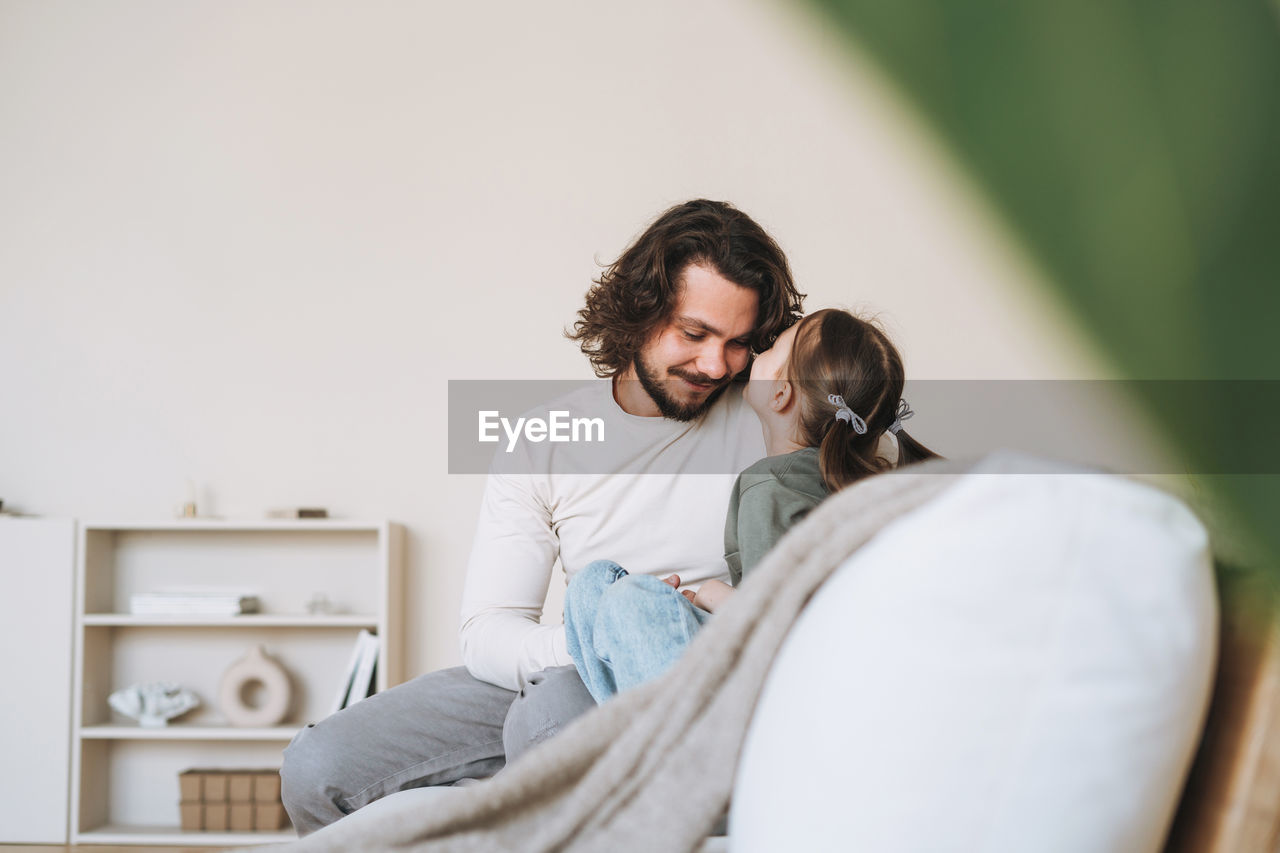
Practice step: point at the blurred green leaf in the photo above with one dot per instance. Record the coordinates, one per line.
(1133, 146)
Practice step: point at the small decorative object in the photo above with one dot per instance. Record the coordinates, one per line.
(319, 605)
(154, 704)
(299, 512)
(189, 505)
(258, 675)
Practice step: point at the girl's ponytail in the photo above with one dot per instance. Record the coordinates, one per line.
(911, 451)
(839, 458)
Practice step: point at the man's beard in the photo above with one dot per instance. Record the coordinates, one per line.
(669, 406)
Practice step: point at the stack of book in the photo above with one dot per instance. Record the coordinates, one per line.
(193, 602)
(358, 678)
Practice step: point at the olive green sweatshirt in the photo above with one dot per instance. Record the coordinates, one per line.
(767, 499)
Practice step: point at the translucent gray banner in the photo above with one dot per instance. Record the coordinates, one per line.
(575, 427)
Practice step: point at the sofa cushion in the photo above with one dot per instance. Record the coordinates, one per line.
(1021, 664)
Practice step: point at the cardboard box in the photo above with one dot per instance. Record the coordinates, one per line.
(266, 786)
(231, 800)
(269, 817)
(216, 817)
(192, 816)
(240, 787)
(215, 787)
(191, 786)
(241, 817)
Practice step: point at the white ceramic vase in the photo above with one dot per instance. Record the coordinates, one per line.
(257, 667)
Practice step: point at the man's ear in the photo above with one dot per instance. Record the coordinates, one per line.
(783, 397)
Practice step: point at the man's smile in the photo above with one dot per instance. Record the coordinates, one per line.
(697, 382)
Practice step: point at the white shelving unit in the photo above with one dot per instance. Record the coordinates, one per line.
(37, 558)
(124, 786)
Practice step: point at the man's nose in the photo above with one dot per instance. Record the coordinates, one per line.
(712, 361)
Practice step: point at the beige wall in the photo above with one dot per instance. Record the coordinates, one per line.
(248, 243)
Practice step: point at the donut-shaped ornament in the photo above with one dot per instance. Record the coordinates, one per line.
(255, 691)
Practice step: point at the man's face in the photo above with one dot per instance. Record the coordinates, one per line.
(690, 359)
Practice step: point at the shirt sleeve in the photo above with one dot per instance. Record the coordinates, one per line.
(766, 510)
(506, 584)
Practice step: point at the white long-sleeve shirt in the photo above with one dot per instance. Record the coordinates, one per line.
(652, 498)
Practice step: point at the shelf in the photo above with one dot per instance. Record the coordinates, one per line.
(288, 525)
(187, 732)
(248, 620)
(172, 836)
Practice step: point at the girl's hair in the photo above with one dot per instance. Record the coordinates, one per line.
(835, 352)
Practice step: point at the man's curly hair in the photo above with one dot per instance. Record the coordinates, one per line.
(638, 291)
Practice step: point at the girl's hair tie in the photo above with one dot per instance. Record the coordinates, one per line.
(846, 414)
(904, 414)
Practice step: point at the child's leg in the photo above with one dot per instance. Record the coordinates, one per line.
(642, 627)
(581, 603)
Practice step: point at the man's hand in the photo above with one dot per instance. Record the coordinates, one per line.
(673, 581)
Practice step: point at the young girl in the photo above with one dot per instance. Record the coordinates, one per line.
(826, 395)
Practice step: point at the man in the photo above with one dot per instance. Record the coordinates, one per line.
(671, 323)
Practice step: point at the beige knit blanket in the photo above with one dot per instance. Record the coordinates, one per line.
(653, 768)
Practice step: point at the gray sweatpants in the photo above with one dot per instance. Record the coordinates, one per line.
(437, 729)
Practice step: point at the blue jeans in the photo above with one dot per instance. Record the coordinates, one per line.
(623, 629)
